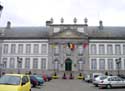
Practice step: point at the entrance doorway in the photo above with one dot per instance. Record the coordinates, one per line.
(68, 64)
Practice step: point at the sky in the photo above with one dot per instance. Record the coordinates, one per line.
(36, 12)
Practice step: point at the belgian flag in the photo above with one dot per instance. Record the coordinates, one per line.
(71, 46)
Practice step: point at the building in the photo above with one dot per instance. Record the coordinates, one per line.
(63, 47)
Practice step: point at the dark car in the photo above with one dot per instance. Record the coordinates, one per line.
(34, 81)
(49, 77)
(39, 79)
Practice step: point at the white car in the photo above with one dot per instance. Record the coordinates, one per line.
(88, 78)
(98, 79)
(112, 81)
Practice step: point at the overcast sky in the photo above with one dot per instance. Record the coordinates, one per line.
(36, 12)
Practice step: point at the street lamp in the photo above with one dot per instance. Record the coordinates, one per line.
(19, 60)
(118, 61)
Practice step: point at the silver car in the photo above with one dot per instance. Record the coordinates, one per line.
(112, 81)
(98, 79)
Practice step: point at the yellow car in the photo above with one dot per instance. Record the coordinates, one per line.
(15, 82)
(55, 77)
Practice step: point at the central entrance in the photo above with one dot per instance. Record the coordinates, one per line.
(68, 64)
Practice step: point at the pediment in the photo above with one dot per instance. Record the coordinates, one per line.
(69, 34)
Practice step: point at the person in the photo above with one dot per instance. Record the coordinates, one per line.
(71, 76)
(80, 74)
(30, 72)
(64, 76)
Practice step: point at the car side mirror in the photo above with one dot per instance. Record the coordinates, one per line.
(23, 83)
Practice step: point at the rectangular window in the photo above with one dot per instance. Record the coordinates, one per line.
(80, 50)
(117, 49)
(68, 51)
(43, 63)
(13, 48)
(56, 49)
(27, 63)
(28, 48)
(5, 48)
(20, 48)
(109, 49)
(124, 49)
(4, 63)
(44, 49)
(110, 64)
(93, 49)
(12, 63)
(101, 49)
(36, 49)
(35, 63)
(93, 64)
(102, 64)
(19, 63)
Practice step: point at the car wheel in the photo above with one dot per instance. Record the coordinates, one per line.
(96, 85)
(108, 86)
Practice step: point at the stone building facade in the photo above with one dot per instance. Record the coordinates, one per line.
(63, 47)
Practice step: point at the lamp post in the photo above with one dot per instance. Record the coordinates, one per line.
(19, 60)
(118, 61)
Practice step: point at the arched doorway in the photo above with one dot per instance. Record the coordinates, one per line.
(68, 64)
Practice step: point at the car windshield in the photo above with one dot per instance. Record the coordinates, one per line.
(10, 80)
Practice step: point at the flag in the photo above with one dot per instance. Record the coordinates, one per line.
(85, 45)
(71, 46)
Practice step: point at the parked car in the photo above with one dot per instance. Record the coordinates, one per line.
(44, 76)
(49, 77)
(15, 82)
(88, 78)
(112, 81)
(122, 76)
(98, 79)
(39, 79)
(34, 81)
(94, 75)
(80, 76)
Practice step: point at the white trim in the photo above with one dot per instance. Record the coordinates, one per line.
(26, 40)
(108, 40)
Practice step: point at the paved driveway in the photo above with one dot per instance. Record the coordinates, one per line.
(71, 85)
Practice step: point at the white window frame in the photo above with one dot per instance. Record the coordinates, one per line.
(102, 64)
(5, 48)
(35, 63)
(93, 64)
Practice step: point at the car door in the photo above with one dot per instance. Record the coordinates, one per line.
(122, 82)
(23, 86)
(119, 82)
(113, 82)
(25, 83)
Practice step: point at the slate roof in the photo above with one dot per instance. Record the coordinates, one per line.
(106, 32)
(26, 32)
(43, 32)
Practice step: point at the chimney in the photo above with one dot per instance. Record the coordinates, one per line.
(85, 21)
(100, 25)
(8, 25)
(48, 23)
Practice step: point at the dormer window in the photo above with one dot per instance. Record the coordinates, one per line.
(80, 29)
(56, 29)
